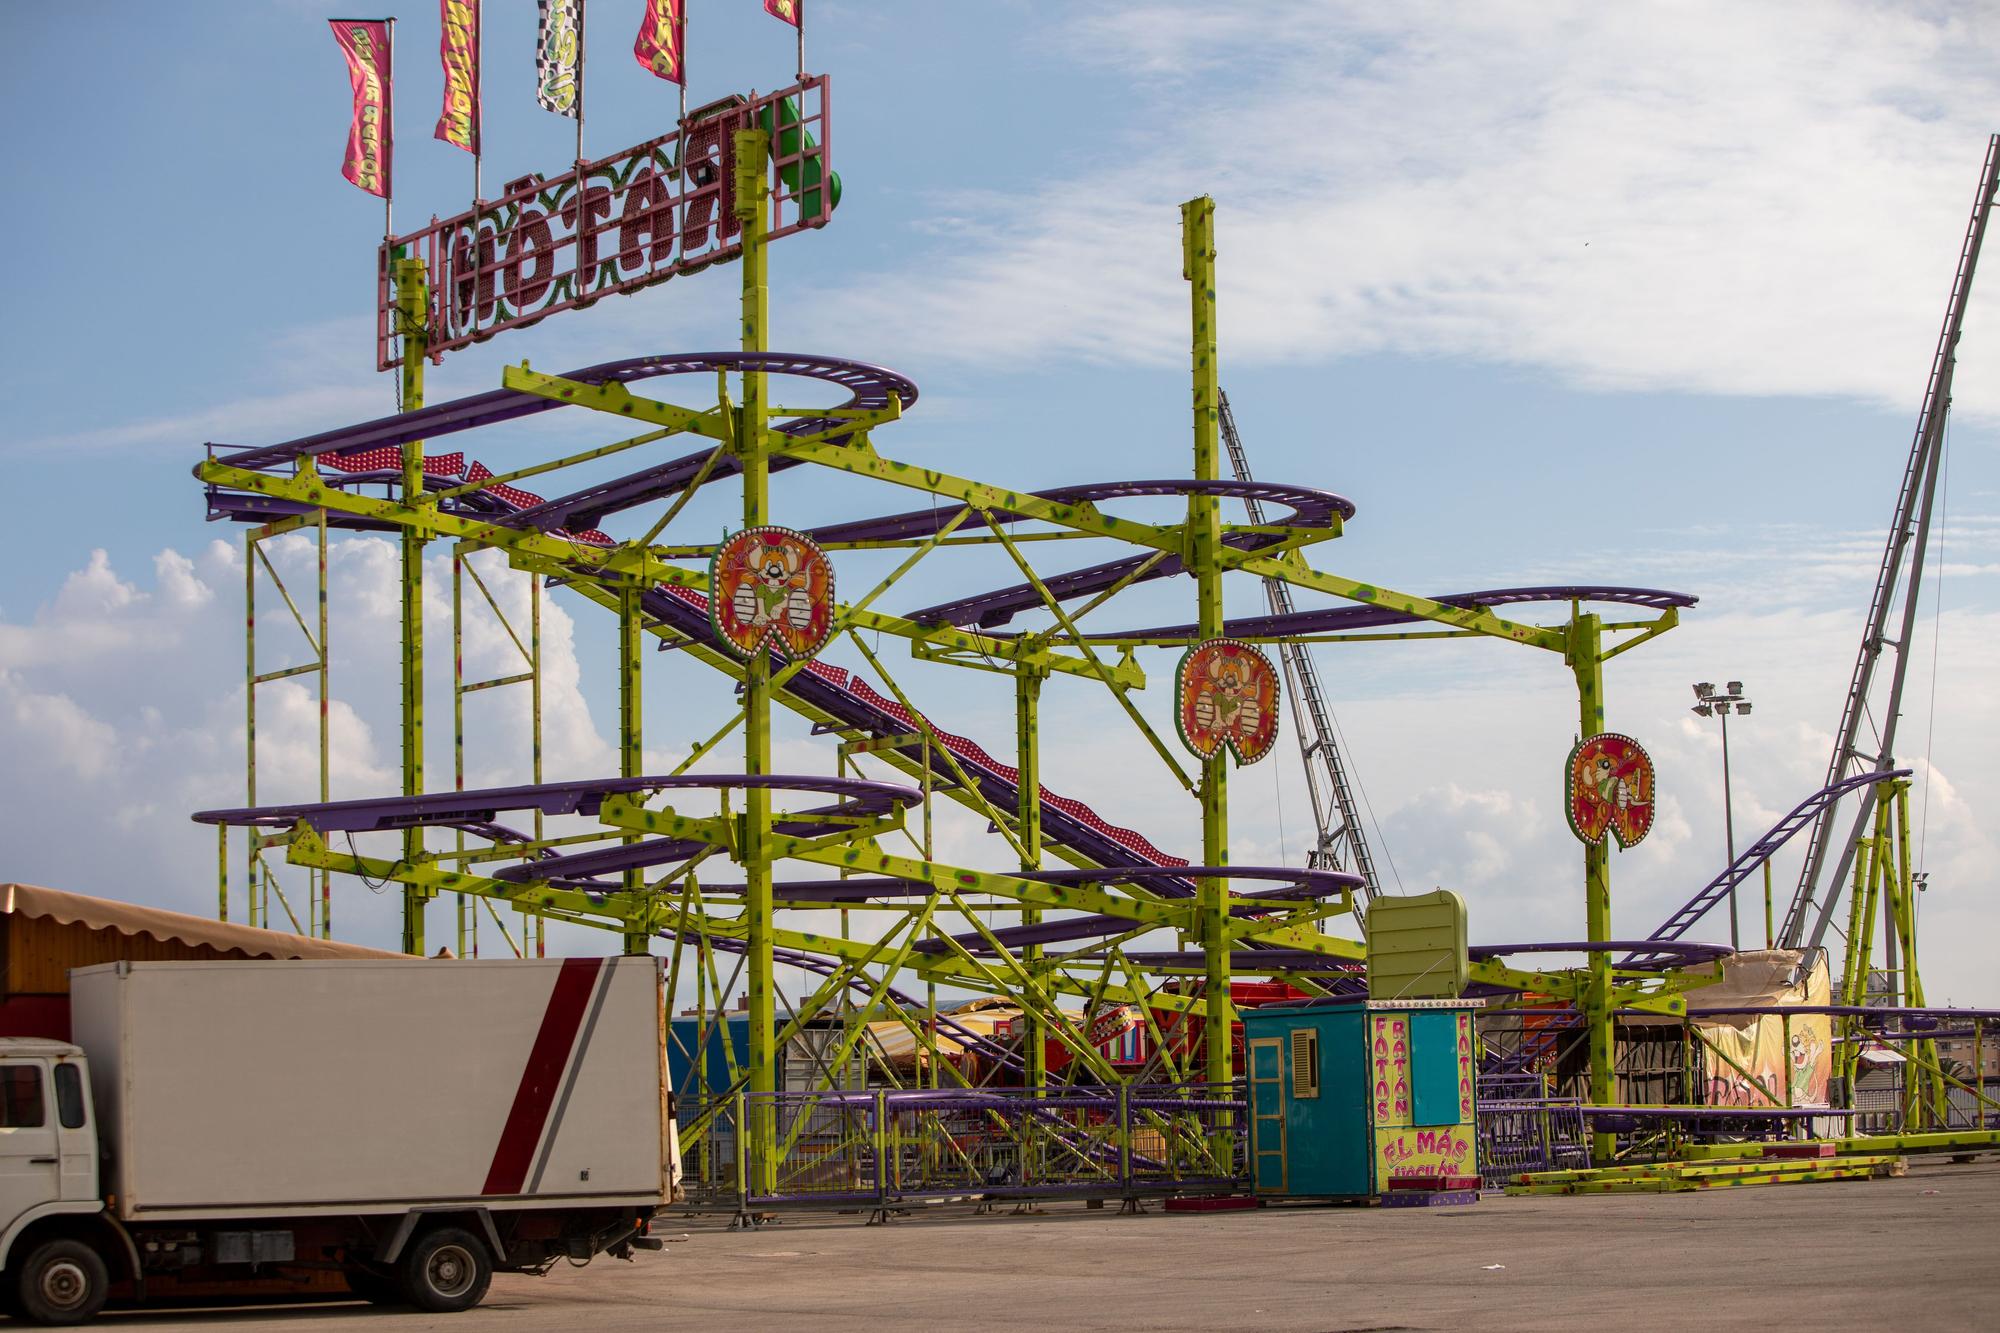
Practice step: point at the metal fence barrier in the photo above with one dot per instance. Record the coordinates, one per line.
(882, 1148)
(1535, 1134)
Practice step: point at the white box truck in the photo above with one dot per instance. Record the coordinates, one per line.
(397, 1129)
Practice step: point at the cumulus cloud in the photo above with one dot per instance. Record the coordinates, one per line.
(1709, 197)
(123, 706)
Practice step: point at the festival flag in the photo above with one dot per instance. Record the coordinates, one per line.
(458, 49)
(660, 36)
(370, 146)
(785, 10)
(559, 56)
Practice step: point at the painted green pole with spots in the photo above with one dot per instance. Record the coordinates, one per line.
(413, 314)
(1028, 811)
(752, 211)
(1586, 661)
(1204, 540)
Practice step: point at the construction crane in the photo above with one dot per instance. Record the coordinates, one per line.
(1895, 598)
(1339, 843)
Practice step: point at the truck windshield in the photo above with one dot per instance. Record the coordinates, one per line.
(21, 1097)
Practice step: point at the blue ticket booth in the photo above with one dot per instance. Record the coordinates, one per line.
(1349, 1096)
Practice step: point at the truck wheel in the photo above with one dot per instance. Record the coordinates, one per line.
(445, 1270)
(61, 1282)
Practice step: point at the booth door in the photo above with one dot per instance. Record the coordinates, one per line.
(1267, 1114)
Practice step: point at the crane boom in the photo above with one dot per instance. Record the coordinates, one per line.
(1338, 840)
(1895, 596)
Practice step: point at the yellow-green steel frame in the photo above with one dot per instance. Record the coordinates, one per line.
(1033, 976)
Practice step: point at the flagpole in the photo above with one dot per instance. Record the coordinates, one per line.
(478, 107)
(389, 119)
(681, 125)
(802, 41)
(582, 44)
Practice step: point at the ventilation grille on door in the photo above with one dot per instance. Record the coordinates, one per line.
(1305, 1062)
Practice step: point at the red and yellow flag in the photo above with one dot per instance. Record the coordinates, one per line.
(458, 49)
(788, 10)
(661, 34)
(370, 146)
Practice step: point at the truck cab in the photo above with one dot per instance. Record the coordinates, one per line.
(51, 1215)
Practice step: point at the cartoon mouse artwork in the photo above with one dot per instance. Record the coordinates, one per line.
(1228, 695)
(1610, 780)
(771, 584)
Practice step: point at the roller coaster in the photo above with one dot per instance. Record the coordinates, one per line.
(730, 868)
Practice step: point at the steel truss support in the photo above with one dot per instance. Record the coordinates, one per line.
(1883, 878)
(529, 649)
(944, 934)
(260, 881)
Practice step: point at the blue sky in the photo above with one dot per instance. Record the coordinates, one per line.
(1641, 294)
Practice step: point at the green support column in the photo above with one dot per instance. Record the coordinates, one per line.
(249, 729)
(1204, 541)
(412, 309)
(534, 924)
(1028, 811)
(631, 752)
(752, 210)
(1586, 660)
(468, 908)
(325, 734)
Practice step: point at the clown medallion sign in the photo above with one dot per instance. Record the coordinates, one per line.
(771, 585)
(1228, 697)
(1610, 789)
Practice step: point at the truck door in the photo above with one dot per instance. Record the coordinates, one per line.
(76, 1136)
(29, 1159)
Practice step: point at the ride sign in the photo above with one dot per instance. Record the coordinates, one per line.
(613, 226)
(1609, 789)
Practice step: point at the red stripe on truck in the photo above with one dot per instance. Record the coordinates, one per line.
(543, 1077)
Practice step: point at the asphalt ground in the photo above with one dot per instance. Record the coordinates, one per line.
(1920, 1251)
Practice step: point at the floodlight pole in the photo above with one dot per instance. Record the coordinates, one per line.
(1711, 702)
(1729, 832)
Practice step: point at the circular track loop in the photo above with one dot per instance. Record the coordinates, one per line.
(869, 389)
(1310, 508)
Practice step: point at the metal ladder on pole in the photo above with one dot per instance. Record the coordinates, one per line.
(1338, 839)
(1902, 571)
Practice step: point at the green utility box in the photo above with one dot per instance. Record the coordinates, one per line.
(1416, 947)
(1350, 1095)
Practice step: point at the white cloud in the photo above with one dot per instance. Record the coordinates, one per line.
(1709, 197)
(57, 732)
(255, 419)
(123, 708)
